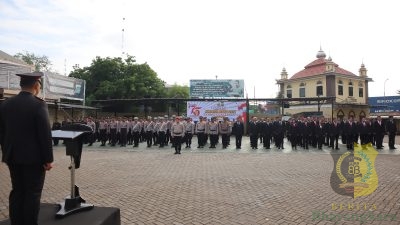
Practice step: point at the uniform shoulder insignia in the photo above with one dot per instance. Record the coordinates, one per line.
(39, 98)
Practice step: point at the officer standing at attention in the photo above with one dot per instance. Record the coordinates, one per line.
(212, 130)
(200, 130)
(391, 129)
(189, 131)
(253, 132)
(238, 131)
(177, 133)
(26, 115)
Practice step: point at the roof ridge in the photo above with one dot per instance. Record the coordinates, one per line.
(7, 57)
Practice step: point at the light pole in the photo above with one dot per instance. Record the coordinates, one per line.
(384, 87)
(384, 93)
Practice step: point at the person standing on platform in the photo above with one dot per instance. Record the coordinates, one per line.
(238, 131)
(177, 133)
(26, 144)
(391, 129)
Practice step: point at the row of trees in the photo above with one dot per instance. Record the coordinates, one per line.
(115, 78)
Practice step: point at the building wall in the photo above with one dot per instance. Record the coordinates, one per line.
(345, 105)
(330, 88)
(356, 85)
(338, 111)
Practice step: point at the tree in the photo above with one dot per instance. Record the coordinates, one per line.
(115, 78)
(41, 63)
(177, 91)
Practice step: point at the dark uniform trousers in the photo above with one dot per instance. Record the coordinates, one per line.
(27, 185)
(103, 136)
(161, 138)
(201, 139)
(129, 137)
(188, 139)
(177, 144)
(113, 136)
(225, 140)
(123, 137)
(149, 138)
(136, 138)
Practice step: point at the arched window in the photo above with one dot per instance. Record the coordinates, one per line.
(302, 90)
(351, 115)
(340, 114)
(320, 88)
(360, 90)
(340, 87)
(350, 89)
(362, 115)
(289, 91)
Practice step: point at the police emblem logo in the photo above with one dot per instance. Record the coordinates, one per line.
(354, 172)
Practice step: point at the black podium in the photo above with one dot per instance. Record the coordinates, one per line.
(73, 137)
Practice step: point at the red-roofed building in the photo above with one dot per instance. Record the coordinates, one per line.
(324, 78)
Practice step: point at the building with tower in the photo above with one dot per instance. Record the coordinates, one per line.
(324, 78)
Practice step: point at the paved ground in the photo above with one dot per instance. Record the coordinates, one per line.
(154, 186)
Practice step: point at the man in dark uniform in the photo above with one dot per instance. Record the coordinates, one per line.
(25, 115)
(391, 129)
(238, 131)
(334, 131)
(253, 132)
(177, 132)
(379, 130)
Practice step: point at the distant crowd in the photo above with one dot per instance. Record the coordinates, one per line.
(305, 133)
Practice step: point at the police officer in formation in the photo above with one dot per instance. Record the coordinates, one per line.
(253, 130)
(189, 131)
(316, 132)
(225, 129)
(391, 130)
(201, 132)
(310, 132)
(177, 132)
(25, 117)
(238, 131)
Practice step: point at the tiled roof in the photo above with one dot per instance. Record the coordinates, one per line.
(317, 67)
(8, 58)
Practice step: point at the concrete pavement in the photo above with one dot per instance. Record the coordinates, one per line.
(216, 186)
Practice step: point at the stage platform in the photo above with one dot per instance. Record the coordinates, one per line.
(95, 216)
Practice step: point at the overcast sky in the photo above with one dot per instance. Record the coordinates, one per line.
(231, 39)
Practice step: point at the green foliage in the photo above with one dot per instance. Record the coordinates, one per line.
(115, 78)
(177, 91)
(41, 63)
